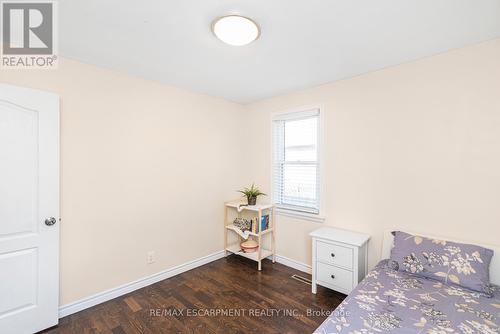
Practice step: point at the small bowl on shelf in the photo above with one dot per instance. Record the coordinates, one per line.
(249, 246)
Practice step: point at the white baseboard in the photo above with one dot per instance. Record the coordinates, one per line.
(104, 296)
(293, 264)
(121, 290)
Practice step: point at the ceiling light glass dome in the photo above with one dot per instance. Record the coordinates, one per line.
(236, 30)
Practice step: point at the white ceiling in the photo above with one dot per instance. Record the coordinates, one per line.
(303, 43)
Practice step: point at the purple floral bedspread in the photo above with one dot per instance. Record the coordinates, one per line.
(388, 301)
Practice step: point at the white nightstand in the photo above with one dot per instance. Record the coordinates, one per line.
(339, 260)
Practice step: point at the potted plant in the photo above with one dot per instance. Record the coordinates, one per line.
(252, 193)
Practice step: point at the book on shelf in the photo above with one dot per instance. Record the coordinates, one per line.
(264, 223)
(262, 226)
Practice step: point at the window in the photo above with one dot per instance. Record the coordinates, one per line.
(296, 161)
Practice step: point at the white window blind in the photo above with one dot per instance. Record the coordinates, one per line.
(296, 161)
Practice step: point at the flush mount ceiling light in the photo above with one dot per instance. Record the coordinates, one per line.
(235, 30)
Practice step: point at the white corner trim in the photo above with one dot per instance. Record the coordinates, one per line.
(293, 264)
(121, 290)
(300, 215)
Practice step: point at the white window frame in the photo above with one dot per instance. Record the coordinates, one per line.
(288, 211)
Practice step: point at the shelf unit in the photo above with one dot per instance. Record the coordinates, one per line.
(259, 210)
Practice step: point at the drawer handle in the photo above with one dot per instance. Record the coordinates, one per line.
(332, 276)
(333, 255)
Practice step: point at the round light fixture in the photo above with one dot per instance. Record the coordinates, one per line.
(236, 30)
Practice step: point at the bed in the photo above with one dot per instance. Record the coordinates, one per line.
(389, 301)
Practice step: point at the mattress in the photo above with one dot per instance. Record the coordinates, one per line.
(388, 301)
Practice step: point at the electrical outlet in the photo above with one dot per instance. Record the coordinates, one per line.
(151, 257)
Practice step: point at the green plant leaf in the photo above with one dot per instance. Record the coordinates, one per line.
(252, 191)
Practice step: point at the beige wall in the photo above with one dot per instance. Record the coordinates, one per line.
(144, 167)
(416, 147)
(147, 166)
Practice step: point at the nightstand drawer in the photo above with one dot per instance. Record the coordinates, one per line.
(334, 254)
(335, 276)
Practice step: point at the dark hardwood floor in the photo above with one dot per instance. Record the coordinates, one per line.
(225, 296)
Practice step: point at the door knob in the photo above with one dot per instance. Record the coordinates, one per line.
(50, 221)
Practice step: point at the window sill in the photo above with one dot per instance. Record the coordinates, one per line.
(300, 215)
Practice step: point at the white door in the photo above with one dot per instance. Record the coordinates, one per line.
(29, 210)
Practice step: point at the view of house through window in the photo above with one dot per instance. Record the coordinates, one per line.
(295, 160)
